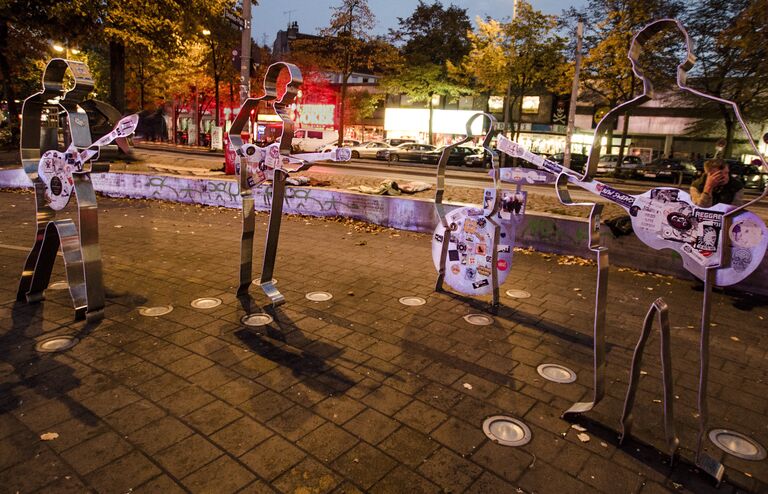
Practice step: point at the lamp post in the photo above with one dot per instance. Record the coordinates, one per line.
(207, 34)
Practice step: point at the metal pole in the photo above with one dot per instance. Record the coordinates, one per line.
(245, 52)
(574, 95)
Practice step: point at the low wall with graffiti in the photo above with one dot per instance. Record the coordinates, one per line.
(543, 232)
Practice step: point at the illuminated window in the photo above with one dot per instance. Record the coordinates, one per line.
(495, 103)
(531, 104)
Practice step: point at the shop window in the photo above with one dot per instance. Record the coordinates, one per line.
(531, 105)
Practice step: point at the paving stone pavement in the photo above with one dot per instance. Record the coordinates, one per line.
(356, 394)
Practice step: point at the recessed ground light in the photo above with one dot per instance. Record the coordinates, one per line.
(556, 373)
(206, 303)
(160, 310)
(478, 319)
(506, 431)
(56, 344)
(518, 294)
(255, 320)
(737, 444)
(412, 301)
(319, 296)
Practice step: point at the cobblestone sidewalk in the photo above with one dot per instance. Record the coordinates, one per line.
(357, 394)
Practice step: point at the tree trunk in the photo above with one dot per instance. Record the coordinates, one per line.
(506, 118)
(216, 90)
(729, 130)
(117, 75)
(624, 130)
(430, 118)
(5, 71)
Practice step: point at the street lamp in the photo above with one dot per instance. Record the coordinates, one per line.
(207, 33)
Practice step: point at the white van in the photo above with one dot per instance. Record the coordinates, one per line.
(311, 140)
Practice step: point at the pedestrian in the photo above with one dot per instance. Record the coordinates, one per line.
(716, 186)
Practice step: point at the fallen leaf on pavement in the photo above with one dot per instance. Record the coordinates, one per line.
(49, 436)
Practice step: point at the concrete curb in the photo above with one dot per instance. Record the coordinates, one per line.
(543, 232)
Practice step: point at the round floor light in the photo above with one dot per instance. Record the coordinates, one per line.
(319, 296)
(59, 285)
(518, 294)
(206, 303)
(507, 431)
(556, 373)
(412, 301)
(478, 319)
(56, 344)
(160, 310)
(256, 320)
(737, 444)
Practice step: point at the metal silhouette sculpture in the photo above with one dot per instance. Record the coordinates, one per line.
(466, 246)
(256, 165)
(720, 245)
(56, 176)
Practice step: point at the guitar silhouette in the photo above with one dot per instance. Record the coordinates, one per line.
(56, 168)
(667, 218)
(261, 163)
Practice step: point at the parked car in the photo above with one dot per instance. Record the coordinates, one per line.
(396, 142)
(455, 158)
(750, 175)
(578, 160)
(347, 143)
(368, 149)
(481, 158)
(310, 140)
(405, 152)
(669, 169)
(629, 165)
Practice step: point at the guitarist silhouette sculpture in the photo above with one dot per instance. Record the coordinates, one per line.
(720, 245)
(56, 176)
(256, 165)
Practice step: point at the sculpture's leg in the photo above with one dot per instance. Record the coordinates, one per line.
(495, 265)
(46, 258)
(658, 307)
(273, 236)
(246, 242)
(446, 233)
(89, 250)
(598, 337)
(703, 460)
(43, 217)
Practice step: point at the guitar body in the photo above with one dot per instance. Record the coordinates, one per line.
(667, 218)
(468, 266)
(56, 175)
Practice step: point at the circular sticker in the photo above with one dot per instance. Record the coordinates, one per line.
(746, 234)
(470, 251)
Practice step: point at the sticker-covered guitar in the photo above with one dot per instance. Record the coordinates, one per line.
(667, 218)
(261, 163)
(56, 168)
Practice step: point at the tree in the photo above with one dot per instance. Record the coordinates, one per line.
(516, 56)
(731, 45)
(346, 46)
(433, 36)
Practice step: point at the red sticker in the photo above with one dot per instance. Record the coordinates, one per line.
(502, 265)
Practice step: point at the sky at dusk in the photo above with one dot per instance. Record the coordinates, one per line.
(272, 15)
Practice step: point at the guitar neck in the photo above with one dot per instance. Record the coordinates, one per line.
(515, 150)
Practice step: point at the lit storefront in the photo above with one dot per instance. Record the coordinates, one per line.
(413, 123)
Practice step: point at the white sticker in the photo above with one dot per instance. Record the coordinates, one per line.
(746, 234)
